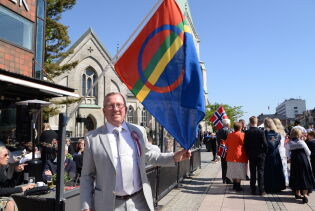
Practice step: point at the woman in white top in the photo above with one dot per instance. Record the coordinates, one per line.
(282, 149)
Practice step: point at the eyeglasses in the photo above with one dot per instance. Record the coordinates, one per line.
(112, 106)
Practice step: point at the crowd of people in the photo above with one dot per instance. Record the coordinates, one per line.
(14, 165)
(269, 151)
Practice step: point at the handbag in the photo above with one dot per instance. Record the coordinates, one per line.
(37, 191)
(222, 149)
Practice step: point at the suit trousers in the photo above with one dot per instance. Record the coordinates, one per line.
(214, 149)
(257, 164)
(135, 203)
(224, 169)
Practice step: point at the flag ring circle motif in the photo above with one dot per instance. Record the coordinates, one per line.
(145, 81)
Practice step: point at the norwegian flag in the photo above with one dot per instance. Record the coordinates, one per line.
(222, 149)
(217, 118)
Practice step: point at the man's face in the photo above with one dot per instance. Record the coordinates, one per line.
(114, 109)
(4, 157)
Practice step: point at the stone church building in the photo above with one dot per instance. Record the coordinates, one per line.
(92, 59)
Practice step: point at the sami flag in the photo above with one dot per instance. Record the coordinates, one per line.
(217, 117)
(161, 68)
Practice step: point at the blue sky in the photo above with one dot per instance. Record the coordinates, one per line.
(257, 52)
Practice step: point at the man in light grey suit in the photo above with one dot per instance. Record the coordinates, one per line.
(113, 176)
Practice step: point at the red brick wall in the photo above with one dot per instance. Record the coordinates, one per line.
(16, 59)
(31, 15)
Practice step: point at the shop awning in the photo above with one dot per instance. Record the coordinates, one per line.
(14, 85)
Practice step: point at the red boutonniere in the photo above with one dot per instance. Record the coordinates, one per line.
(136, 138)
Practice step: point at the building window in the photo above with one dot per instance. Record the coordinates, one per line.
(88, 79)
(130, 114)
(144, 117)
(16, 29)
(40, 26)
(295, 107)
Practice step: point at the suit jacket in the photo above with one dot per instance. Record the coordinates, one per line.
(8, 186)
(255, 142)
(98, 178)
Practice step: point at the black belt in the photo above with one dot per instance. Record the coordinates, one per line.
(126, 197)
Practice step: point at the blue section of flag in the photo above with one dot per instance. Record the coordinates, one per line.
(180, 110)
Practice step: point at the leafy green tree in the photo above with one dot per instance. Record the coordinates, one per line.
(234, 113)
(57, 39)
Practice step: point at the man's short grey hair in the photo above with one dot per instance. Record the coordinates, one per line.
(226, 122)
(114, 93)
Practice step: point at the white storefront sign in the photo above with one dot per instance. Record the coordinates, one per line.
(20, 3)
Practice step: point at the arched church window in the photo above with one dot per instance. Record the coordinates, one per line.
(130, 114)
(144, 117)
(88, 79)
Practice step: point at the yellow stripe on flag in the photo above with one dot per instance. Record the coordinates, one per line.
(187, 29)
(159, 68)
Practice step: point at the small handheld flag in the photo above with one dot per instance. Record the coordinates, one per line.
(162, 70)
(217, 117)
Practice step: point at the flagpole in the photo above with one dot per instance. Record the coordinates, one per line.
(114, 59)
(140, 25)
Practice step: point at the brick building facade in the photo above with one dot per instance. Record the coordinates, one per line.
(22, 28)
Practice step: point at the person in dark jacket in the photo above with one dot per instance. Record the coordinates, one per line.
(222, 135)
(78, 156)
(50, 167)
(214, 147)
(273, 172)
(256, 149)
(311, 145)
(71, 149)
(8, 186)
(47, 134)
(301, 175)
(49, 151)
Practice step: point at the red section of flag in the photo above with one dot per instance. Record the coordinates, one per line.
(217, 118)
(127, 66)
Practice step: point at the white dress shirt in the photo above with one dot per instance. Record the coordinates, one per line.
(128, 153)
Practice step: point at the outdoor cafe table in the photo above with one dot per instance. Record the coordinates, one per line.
(47, 202)
(44, 202)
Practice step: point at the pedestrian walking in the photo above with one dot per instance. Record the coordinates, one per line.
(282, 149)
(256, 149)
(214, 147)
(236, 157)
(273, 174)
(206, 141)
(221, 136)
(301, 176)
(113, 175)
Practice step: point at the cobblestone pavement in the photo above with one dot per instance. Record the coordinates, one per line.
(204, 191)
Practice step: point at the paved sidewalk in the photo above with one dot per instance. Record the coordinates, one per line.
(204, 191)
